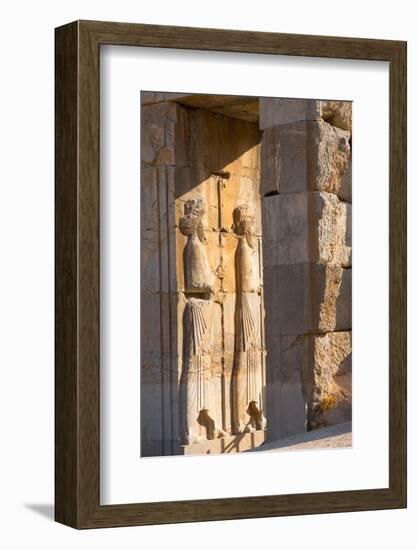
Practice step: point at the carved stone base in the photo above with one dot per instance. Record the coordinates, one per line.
(229, 444)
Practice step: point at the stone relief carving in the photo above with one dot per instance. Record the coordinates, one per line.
(196, 391)
(197, 274)
(200, 417)
(247, 376)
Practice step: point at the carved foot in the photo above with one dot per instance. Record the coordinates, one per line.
(193, 438)
(261, 423)
(249, 429)
(242, 428)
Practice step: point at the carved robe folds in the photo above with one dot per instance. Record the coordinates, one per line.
(203, 412)
(248, 373)
(196, 393)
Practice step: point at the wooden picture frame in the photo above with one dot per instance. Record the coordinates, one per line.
(77, 404)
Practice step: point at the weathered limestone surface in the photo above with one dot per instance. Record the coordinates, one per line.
(312, 380)
(274, 111)
(248, 376)
(345, 191)
(337, 113)
(331, 385)
(205, 367)
(307, 298)
(344, 302)
(241, 107)
(304, 156)
(277, 111)
(164, 135)
(306, 183)
(287, 407)
(306, 227)
(224, 222)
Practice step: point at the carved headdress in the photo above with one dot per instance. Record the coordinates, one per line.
(243, 223)
(191, 222)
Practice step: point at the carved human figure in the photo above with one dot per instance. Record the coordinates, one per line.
(197, 274)
(247, 374)
(196, 391)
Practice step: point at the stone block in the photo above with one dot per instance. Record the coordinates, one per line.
(274, 111)
(333, 239)
(348, 235)
(303, 156)
(164, 135)
(306, 227)
(345, 191)
(302, 298)
(151, 337)
(344, 302)
(286, 229)
(337, 113)
(150, 233)
(328, 380)
(286, 404)
(308, 382)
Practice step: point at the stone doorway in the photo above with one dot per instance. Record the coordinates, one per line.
(241, 285)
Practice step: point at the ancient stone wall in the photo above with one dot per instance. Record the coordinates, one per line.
(246, 270)
(203, 353)
(307, 212)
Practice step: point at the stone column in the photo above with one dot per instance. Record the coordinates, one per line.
(164, 161)
(306, 211)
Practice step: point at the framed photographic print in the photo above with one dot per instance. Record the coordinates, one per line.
(230, 274)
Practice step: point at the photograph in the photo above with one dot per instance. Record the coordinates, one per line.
(246, 274)
(209, 250)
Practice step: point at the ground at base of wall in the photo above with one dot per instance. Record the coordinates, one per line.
(332, 437)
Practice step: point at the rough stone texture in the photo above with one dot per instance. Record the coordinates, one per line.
(158, 348)
(274, 111)
(306, 227)
(198, 167)
(277, 111)
(310, 382)
(304, 156)
(286, 401)
(302, 237)
(333, 235)
(307, 189)
(329, 383)
(164, 131)
(345, 191)
(303, 298)
(344, 302)
(241, 107)
(222, 175)
(337, 113)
